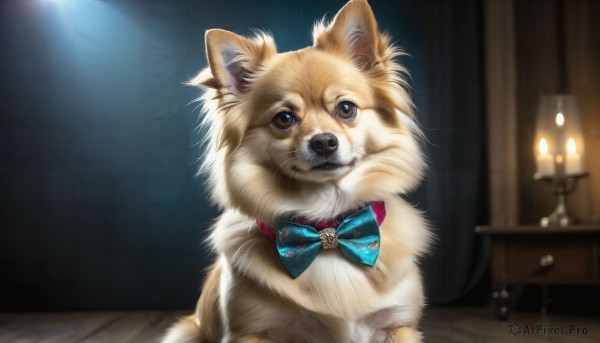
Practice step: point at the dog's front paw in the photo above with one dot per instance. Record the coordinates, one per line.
(404, 334)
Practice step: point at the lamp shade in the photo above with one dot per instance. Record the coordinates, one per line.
(558, 145)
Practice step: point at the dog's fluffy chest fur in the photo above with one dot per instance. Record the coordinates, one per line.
(334, 300)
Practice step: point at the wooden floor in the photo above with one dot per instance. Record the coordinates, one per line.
(461, 325)
(445, 325)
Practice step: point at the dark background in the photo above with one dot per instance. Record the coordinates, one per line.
(100, 205)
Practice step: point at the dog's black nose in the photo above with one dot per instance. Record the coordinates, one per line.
(324, 144)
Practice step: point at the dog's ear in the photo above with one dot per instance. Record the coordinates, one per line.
(232, 60)
(353, 32)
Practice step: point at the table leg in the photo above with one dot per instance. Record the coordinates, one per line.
(501, 303)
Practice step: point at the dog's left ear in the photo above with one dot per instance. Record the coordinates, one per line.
(353, 32)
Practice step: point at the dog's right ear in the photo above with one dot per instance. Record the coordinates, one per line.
(233, 59)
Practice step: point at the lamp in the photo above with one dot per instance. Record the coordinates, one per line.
(559, 148)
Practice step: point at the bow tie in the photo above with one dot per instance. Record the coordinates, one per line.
(357, 237)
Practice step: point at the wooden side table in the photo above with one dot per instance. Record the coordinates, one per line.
(542, 256)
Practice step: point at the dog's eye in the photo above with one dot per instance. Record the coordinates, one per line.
(346, 110)
(284, 120)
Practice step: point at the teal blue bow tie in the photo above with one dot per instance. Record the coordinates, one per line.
(357, 236)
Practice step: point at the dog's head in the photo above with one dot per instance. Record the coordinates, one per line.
(313, 131)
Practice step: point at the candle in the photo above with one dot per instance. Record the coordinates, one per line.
(545, 162)
(573, 163)
(545, 165)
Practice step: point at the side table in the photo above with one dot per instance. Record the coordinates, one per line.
(541, 256)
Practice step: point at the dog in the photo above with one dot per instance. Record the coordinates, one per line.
(309, 154)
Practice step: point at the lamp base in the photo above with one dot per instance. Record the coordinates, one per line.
(559, 217)
(563, 186)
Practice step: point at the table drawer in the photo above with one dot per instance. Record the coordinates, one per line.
(554, 259)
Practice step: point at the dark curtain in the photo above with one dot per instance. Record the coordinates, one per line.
(452, 114)
(100, 207)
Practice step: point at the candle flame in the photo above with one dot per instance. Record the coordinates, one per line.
(571, 147)
(560, 119)
(543, 147)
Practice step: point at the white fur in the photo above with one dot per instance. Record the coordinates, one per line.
(334, 287)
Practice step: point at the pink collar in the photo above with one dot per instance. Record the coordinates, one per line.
(377, 206)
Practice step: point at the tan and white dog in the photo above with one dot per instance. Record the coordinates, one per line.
(311, 133)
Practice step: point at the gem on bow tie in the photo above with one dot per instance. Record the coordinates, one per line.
(329, 238)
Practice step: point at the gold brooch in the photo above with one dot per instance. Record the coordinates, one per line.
(329, 238)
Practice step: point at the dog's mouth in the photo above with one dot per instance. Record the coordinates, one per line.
(328, 166)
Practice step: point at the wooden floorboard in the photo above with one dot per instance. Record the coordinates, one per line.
(443, 325)
(88, 327)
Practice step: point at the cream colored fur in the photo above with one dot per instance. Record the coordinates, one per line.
(259, 171)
